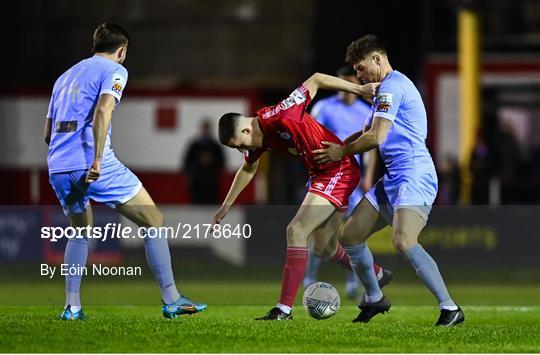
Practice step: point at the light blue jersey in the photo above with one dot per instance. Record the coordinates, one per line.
(340, 118)
(411, 179)
(71, 150)
(343, 120)
(75, 95)
(399, 101)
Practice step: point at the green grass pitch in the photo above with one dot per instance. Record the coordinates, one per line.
(123, 317)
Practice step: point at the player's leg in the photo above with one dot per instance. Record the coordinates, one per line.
(70, 190)
(75, 258)
(324, 240)
(314, 211)
(312, 269)
(408, 223)
(325, 245)
(352, 284)
(142, 210)
(364, 221)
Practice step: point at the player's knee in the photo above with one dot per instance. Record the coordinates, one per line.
(154, 218)
(295, 235)
(158, 218)
(350, 235)
(402, 241)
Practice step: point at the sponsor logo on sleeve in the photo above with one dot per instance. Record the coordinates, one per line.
(117, 88)
(384, 101)
(118, 84)
(296, 97)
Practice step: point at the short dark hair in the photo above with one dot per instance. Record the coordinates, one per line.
(227, 125)
(346, 70)
(360, 48)
(108, 37)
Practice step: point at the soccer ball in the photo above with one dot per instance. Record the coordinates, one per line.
(321, 300)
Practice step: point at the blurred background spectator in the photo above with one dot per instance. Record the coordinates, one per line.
(203, 164)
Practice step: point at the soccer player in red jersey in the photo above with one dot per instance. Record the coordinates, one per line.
(288, 128)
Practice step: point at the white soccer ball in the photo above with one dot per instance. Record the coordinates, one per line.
(321, 300)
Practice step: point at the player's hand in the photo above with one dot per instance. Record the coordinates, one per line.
(93, 172)
(220, 214)
(369, 91)
(333, 153)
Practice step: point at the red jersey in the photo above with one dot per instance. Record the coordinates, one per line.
(289, 129)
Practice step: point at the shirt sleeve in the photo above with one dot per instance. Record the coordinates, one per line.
(251, 156)
(296, 104)
(114, 81)
(388, 100)
(50, 111)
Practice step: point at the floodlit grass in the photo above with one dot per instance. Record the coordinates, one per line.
(125, 317)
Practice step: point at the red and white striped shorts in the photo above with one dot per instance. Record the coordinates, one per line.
(337, 184)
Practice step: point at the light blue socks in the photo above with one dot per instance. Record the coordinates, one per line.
(159, 260)
(314, 263)
(427, 270)
(362, 263)
(75, 258)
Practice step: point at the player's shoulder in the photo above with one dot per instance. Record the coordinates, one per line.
(397, 79)
(106, 65)
(396, 83)
(66, 74)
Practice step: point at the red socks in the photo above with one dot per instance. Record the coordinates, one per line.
(293, 271)
(341, 258)
(377, 270)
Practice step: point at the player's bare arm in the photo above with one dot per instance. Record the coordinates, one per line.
(323, 81)
(47, 131)
(367, 179)
(372, 138)
(243, 177)
(102, 120)
(353, 137)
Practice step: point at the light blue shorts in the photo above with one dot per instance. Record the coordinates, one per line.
(116, 185)
(415, 190)
(354, 200)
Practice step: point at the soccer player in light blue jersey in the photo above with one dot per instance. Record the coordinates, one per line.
(405, 194)
(344, 114)
(82, 166)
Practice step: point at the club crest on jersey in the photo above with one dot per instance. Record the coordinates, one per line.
(384, 101)
(284, 135)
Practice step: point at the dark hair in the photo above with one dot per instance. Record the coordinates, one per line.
(227, 125)
(360, 48)
(346, 70)
(108, 37)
